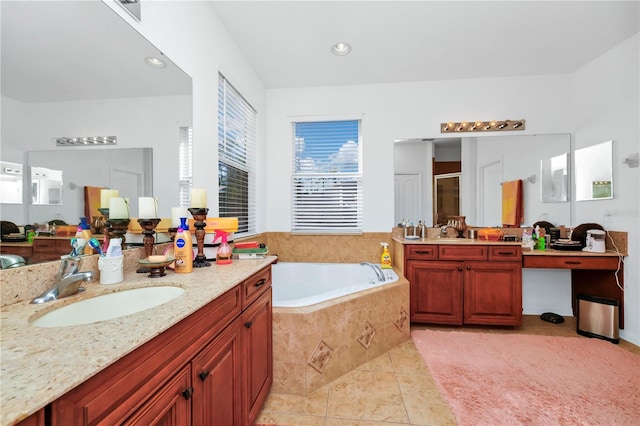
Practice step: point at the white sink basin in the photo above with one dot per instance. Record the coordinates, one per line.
(108, 306)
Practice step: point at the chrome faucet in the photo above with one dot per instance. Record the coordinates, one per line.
(377, 269)
(67, 281)
(444, 230)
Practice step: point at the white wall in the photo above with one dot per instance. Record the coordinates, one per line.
(137, 122)
(415, 110)
(403, 111)
(606, 106)
(190, 33)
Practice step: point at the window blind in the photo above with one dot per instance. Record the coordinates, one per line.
(185, 166)
(327, 177)
(236, 157)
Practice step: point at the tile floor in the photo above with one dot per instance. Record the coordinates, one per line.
(394, 389)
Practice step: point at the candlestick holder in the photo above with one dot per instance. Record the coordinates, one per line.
(460, 225)
(200, 216)
(118, 228)
(148, 229)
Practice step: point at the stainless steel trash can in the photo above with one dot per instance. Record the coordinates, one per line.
(598, 317)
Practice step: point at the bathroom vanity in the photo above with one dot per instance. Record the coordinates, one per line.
(202, 358)
(465, 283)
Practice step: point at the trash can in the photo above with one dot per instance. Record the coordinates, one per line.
(598, 317)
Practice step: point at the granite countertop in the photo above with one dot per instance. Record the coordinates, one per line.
(38, 365)
(525, 251)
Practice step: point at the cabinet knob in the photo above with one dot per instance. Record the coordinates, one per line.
(248, 324)
(459, 268)
(203, 375)
(468, 268)
(187, 393)
(260, 283)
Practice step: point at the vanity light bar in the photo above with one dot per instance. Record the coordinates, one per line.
(89, 141)
(482, 126)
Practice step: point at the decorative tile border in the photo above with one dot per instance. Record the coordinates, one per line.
(402, 320)
(366, 335)
(320, 357)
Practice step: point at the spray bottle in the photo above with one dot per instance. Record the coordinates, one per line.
(385, 259)
(183, 248)
(223, 255)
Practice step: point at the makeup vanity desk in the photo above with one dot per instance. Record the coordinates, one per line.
(594, 274)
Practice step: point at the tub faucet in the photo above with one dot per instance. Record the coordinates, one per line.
(67, 281)
(377, 269)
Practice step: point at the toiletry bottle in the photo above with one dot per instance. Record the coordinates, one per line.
(115, 247)
(385, 259)
(86, 234)
(183, 251)
(223, 254)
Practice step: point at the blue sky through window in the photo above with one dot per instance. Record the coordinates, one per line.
(327, 147)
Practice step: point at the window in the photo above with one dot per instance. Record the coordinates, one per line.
(236, 157)
(327, 177)
(185, 166)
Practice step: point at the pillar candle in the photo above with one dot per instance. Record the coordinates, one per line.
(176, 214)
(106, 195)
(198, 198)
(118, 208)
(147, 208)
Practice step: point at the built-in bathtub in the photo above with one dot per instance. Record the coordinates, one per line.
(329, 318)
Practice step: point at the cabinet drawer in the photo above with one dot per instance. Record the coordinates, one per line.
(422, 252)
(459, 252)
(253, 287)
(571, 262)
(505, 253)
(43, 245)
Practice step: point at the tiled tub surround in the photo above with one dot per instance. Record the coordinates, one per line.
(316, 344)
(39, 365)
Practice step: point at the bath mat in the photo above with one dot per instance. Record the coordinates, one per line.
(515, 379)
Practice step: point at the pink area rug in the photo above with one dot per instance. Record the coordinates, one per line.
(515, 379)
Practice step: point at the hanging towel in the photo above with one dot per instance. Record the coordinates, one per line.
(512, 204)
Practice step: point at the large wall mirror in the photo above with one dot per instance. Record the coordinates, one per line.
(594, 172)
(77, 69)
(485, 163)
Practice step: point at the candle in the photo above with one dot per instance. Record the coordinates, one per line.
(118, 208)
(176, 214)
(147, 208)
(106, 195)
(198, 198)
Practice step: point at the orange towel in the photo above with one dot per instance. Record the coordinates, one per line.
(512, 204)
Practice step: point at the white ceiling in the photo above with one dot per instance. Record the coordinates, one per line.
(72, 50)
(288, 42)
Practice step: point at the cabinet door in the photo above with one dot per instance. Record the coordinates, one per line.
(217, 380)
(436, 291)
(169, 406)
(258, 355)
(493, 293)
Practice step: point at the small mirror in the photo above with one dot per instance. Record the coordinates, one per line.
(594, 172)
(555, 179)
(10, 183)
(46, 186)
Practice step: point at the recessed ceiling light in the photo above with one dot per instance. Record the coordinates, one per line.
(155, 62)
(341, 49)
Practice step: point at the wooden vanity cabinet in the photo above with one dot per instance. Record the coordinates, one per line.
(465, 284)
(194, 373)
(49, 248)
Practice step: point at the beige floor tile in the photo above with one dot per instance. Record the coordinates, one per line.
(367, 395)
(335, 421)
(380, 363)
(284, 419)
(315, 404)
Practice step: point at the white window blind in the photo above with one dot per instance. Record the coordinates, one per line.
(236, 157)
(185, 166)
(327, 177)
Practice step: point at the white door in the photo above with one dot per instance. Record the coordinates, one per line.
(407, 197)
(490, 194)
